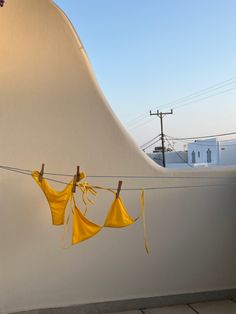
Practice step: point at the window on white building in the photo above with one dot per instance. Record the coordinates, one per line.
(198, 154)
(208, 155)
(193, 157)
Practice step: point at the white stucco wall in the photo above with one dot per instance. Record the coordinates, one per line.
(179, 157)
(200, 147)
(52, 111)
(227, 150)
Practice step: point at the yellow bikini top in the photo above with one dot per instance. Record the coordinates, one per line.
(82, 228)
(118, 216)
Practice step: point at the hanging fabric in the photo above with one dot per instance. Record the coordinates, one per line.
(82, 228)
(85, 188)
(118, 216)
(57, 200)
(144, 221)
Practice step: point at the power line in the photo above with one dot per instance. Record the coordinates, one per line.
(151, 144)
(204, 136)
(202, 144)
(189, 103)
(198, 93)
(203, 98)
(150, 141)
(185, 161)
(139, 117)
(141, 124)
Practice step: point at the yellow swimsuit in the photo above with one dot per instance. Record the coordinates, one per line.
(57, 200)
(82, 228)
(117, 216)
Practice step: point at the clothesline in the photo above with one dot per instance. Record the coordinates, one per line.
(29, 172)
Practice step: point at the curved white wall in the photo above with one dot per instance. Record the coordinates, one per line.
(52, 111)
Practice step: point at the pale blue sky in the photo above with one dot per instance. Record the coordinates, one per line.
(146, 53)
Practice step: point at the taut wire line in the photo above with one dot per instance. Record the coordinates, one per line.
(28, 172)
(131, 189)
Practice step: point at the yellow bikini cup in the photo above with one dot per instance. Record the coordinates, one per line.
(57, 200)
(117, 216)
(82, 228)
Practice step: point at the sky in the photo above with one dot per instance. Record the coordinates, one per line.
(146, 54)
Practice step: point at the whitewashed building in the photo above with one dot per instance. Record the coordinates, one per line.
(177, 159)
(212, 152)
(227, 152)
(204, 152)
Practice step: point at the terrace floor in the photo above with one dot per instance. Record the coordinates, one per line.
(215, 307)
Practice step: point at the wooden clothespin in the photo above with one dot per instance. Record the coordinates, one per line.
(74, 184)
(119, 188)
(76, 179)
(77, 174)
(41, 173)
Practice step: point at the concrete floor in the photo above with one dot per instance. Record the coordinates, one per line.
(216, 307)
(174, 304)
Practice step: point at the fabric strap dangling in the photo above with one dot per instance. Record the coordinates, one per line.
(144, 221)
(85, 188)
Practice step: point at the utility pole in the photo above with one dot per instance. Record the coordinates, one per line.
(161, 116)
